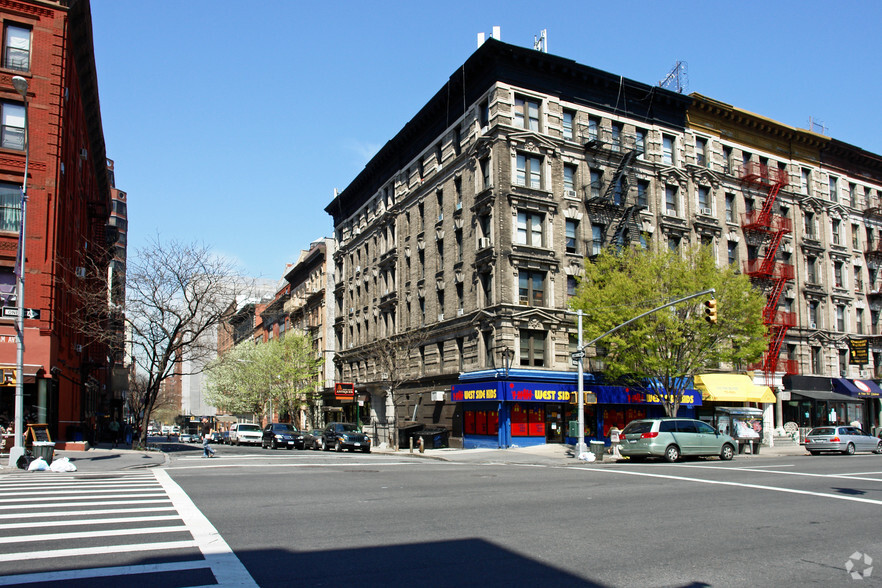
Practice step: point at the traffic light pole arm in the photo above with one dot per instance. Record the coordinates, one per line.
(616, 328)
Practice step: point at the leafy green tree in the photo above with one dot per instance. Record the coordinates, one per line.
(674, 344)
(299, 372)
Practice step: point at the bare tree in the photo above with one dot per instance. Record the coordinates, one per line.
(395, 364)
(176, 294)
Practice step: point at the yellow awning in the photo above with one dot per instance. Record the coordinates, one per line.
(732, 388)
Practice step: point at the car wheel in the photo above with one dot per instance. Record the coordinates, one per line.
(849, 449)
(263, 444)
(672, 453)
(325, 446)
(338, 447)
(815, 452)
(878, 448)
(727, 453)
(290, 447)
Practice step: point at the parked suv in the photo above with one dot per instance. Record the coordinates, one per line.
(340, 436)
(245, 433)
(672, 438)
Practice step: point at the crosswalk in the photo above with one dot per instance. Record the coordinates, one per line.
(100, 530)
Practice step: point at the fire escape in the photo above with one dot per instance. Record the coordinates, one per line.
(873, 254)
(607, 203)
(767, 230)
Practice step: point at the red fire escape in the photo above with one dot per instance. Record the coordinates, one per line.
(771, 275)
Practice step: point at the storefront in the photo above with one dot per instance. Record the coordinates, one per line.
(816, 401)
(724, 395)
(532, 407)
(868, 393)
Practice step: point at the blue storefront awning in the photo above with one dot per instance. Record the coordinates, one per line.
(857, 388)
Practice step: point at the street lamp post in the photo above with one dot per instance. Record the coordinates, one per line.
(21, 86)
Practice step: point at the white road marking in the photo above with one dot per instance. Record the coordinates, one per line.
(67, 496)
(764, 471)
(76, 513)
(92, 534)
(66, 575)
(736, 484)
(79, 551)
(225, 566)
(98, 503)
(55, 523)
(295, 465)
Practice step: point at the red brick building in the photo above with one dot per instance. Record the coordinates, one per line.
(49, 43)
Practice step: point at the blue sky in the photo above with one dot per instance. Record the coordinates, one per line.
(231, 123)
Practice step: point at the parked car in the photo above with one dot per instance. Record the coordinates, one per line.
(224, 437)
(340, 436)
(185, 438)
(215, 437)
(246, 433)
(313, 439)
(845, 440)
(672, 438)
(278, 435)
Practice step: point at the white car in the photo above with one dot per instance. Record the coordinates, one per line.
(246, 433)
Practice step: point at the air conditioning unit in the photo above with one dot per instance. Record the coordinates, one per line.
(483, 242)
(459, 205)
(440, 316)
(706, 211)
(437, 395)
(813, 325)
(84, 154)
(459, 311)
(569, 193)
(78, 348)
(81, 272)
(440, 216)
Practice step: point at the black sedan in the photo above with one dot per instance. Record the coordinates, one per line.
(282, 435)
(340, 436)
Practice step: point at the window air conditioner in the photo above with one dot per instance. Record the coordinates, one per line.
(437, 395)
(81, 272)
(706, 211)
(459, 205)
(569, 193)
(813, 325)
(459, 311)
(440, 317)
(483, 242)
(78, 348)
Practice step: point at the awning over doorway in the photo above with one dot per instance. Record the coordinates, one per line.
(821, 396)
(856, 388)
(732, 388)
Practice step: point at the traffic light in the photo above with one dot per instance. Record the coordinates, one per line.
(710, 311)
(8, 377)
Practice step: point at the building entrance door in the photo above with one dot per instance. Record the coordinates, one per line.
(554, 423)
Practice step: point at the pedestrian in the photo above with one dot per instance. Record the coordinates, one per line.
(207, 451)
(114, 432)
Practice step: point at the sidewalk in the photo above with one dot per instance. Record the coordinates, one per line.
(103, 458)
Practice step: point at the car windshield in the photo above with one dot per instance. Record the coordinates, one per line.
(638, 427)
(249, 428)
(822, 431)
(348, 428)
(284, 428)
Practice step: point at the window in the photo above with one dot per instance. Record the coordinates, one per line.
(642, 193)
(704, 199)
(10, 207)
(616, 137)
(569, 180)
(526, 114)
(806, 181)
(837, 274)
(733, 252)
(852, 194)
(12, 117)
(843, 362)
(484, 225)
(668, 149)
(440, 243)
(421, 256)
(811, 270)
(530, 229)
(572, 236)
(619, 191)
(421, 217)
(486, 279)
(596, 183)
(813, 314)
(487, 337)
(572, 284)
(459, 298)
(593, 128)
(531, 288)
(730, 208)
(459, 352)
(439, 195)
(701, 151)
(836, 226)
(640, 142)
(673, 242)
(440, 346)
(532, 348)
(859, 321)
(529, 171)
(568, 117)
(457, 193)
(727, 158)
(596, 239)
(457, 236)
(457, 141)
(671, 200)
(17, 48)
(858, 279)
(486, 181)
(809, 225)
(855, 236)
(817, 361)
(484, 113)
(834, 189)
(840, 318)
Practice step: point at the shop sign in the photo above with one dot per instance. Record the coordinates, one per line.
(859, 352)
(540, 392)
(475, 392)
(344, 390)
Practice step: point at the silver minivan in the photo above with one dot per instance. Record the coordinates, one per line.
(672, 438)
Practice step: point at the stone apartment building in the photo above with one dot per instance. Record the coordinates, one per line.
(461, 241)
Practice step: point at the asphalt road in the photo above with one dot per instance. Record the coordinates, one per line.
(326, 519)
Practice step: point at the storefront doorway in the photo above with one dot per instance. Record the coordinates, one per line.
(555, 423)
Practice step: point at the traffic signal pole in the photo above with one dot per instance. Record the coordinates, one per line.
(579, 354)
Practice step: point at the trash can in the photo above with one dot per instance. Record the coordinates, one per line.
(44, 449)
(406, 431)
(597, 448)
(755, 447)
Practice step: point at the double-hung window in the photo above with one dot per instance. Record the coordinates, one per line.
(529, 171)
(527, 114)
(531, 288)
(12, 135)
(671, 200)
(834, 189)
(17, 47)
(532, 348)
(569, 180)
(568, 118)
(10, 206)
(668, 149)
(701, 151)
(572, 235)
(530, 229)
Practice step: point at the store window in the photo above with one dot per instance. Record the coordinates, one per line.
(527, 420)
